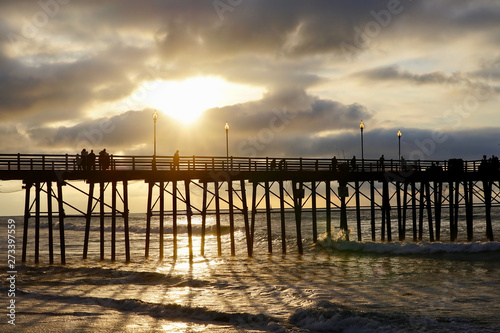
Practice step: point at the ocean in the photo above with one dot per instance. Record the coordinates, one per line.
(337, 285)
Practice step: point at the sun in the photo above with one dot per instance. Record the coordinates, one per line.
(186, 100)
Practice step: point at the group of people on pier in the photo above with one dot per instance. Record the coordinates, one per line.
(87, 161)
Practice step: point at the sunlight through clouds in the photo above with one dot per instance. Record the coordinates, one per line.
(188, 99)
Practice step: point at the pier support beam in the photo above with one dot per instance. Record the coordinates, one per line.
(61, 221)
(88, 217)
(49, 221)
(149, 214)
(400, 217)
(438, 198)
(268, 218)
(125, 221)
(113, 221)
(282, 216)
(372, 209)
(189, 213)
(203, 217)
(27, 187)
(298, 195)
(487, 204)
(217, 219)
(453, 234)
(358, 210)
(414, 209)
(328, 192)
(231, 215)
(37, 222)
(402, 236)
(314, 211)
(101, 219)
(174, 217)
(429, 211)
(245, 216)
(386, 211)
(162, 219)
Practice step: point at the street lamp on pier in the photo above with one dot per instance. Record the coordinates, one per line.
(361, 127)
(155, 117)
(226, 127)
(399, 145)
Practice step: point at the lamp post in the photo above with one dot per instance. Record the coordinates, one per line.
(226, 127)
(361, 127)
(155, 117)
(399, 145)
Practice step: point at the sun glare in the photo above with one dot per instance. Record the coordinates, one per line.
(188, 99)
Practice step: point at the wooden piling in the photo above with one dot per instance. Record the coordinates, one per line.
(49, 221)
(203, 217)
(174, 217)
(414, 209)
(217, 219)
(268, 218)
(400, 217)
(245, 216)
(386, 210)
(487, 185)
(26, 219)
(101, 219)
(453, 235)
(421, 211)
(358, 210)
(343, 193)
(468, 195)
(456, 207)
(162, 221)
(37, 222)
(405, 208)
(254, 212)
(438, 187)
(113, 220)
(231, 215)
(282, 216)
(61, 222)
(189, 213)
(429, 211)
(314, 212)
(298, 195)
(149, 214)
(328, 191)
(125, 220)
(372, 209)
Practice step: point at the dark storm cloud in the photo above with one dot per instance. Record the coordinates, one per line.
(394, 73)
(90, 52)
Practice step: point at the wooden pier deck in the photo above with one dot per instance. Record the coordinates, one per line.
(248, 186)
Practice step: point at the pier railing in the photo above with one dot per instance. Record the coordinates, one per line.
(69, 162)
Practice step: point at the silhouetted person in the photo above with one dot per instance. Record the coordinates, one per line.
(91, 160)
(103, 160)
(403, 164)
(85, 159)
(353, 163)
(78, 161)
(334, 163)
(176, 161)
(381, 161)
(273, 164)
(281, 164)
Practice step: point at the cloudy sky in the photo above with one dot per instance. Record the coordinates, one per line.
(292, 78)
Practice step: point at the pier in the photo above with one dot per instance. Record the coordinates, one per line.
(251, 186)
